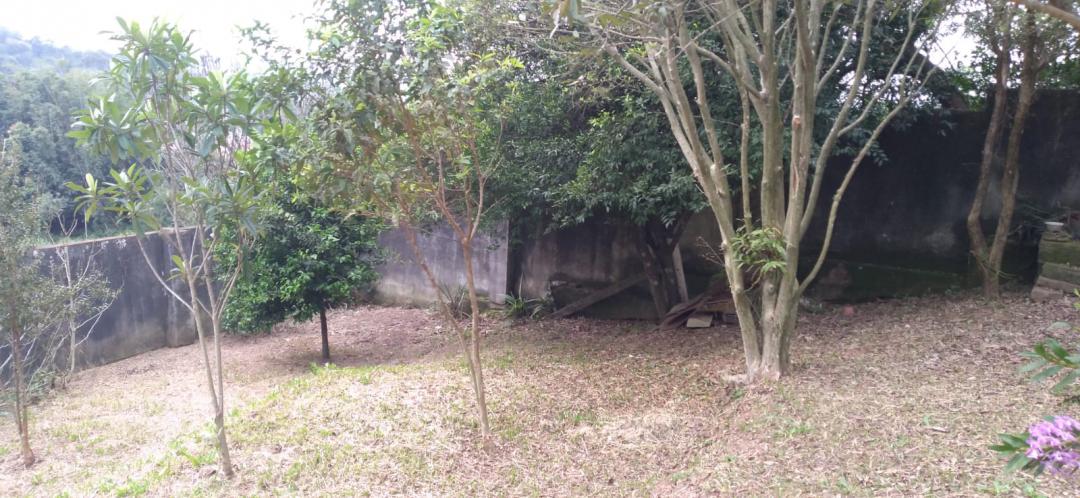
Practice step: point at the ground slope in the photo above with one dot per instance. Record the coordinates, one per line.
(902, 398)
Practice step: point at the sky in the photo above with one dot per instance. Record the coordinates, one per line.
(78, 23)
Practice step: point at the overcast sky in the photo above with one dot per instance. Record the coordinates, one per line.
(78, 23)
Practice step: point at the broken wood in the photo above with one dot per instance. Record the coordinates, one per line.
(597, 296)
(716, 299)
(680, 274)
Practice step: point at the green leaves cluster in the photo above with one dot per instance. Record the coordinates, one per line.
(183, 128)
(583, 140)
(1046, 360)
(1014, 447)
(1049, 359)
(35, 111)
(760, 251)
(311, 259)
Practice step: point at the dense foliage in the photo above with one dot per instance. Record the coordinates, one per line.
(35, 109)
(592, 143)
(310, 259)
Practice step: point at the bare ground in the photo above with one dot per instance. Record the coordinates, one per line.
(900, 399)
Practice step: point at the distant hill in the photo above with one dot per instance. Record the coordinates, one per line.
(18, 53)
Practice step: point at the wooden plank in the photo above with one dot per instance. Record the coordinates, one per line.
(597, 296)
(680, 274)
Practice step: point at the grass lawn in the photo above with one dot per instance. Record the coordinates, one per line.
(900, 399)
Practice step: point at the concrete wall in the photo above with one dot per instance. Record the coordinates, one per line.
(900, 227)
(144, 316)
(401, 281)
(911, 209)
(904, 217)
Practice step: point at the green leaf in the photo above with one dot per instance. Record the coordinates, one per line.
(1035, 364)
(1017, 462)
(1046, 374)
(1066, 381)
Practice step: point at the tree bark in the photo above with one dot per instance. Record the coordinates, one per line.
(654, 275)
(1010, 177)
(474, 339)
(20, 412)
(995, 130)
(325, 335)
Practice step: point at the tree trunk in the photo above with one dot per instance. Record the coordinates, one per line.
(474, 339)
(995, 130)
(1010, 177)
(989, 256)
(470, 347)
(325, 335)
(777, 332)
(654, 275)
(21, 411)
(217, 400)
(219, 417)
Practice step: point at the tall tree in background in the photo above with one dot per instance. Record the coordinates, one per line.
(769, 49)
(585, 140)
(186, 130)
(35, 109)
(1033, 42)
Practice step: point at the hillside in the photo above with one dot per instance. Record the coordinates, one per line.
(17, 53)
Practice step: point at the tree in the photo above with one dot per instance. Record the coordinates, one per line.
(84, 309)
(585, 140)
(407, 114)
(1035, 44)
(35, 109)
(784, 57)
(186, 130)
(26, 293)
(310, 260)
(34, 307)
(1058, 9)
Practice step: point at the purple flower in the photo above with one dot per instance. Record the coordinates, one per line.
(1054, 444)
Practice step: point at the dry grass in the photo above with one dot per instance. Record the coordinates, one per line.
(901, 399)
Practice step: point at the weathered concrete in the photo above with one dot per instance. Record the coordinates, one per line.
(900, 228)
(578, 261)
(144, 315)
(401, 281)
(910, 211)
